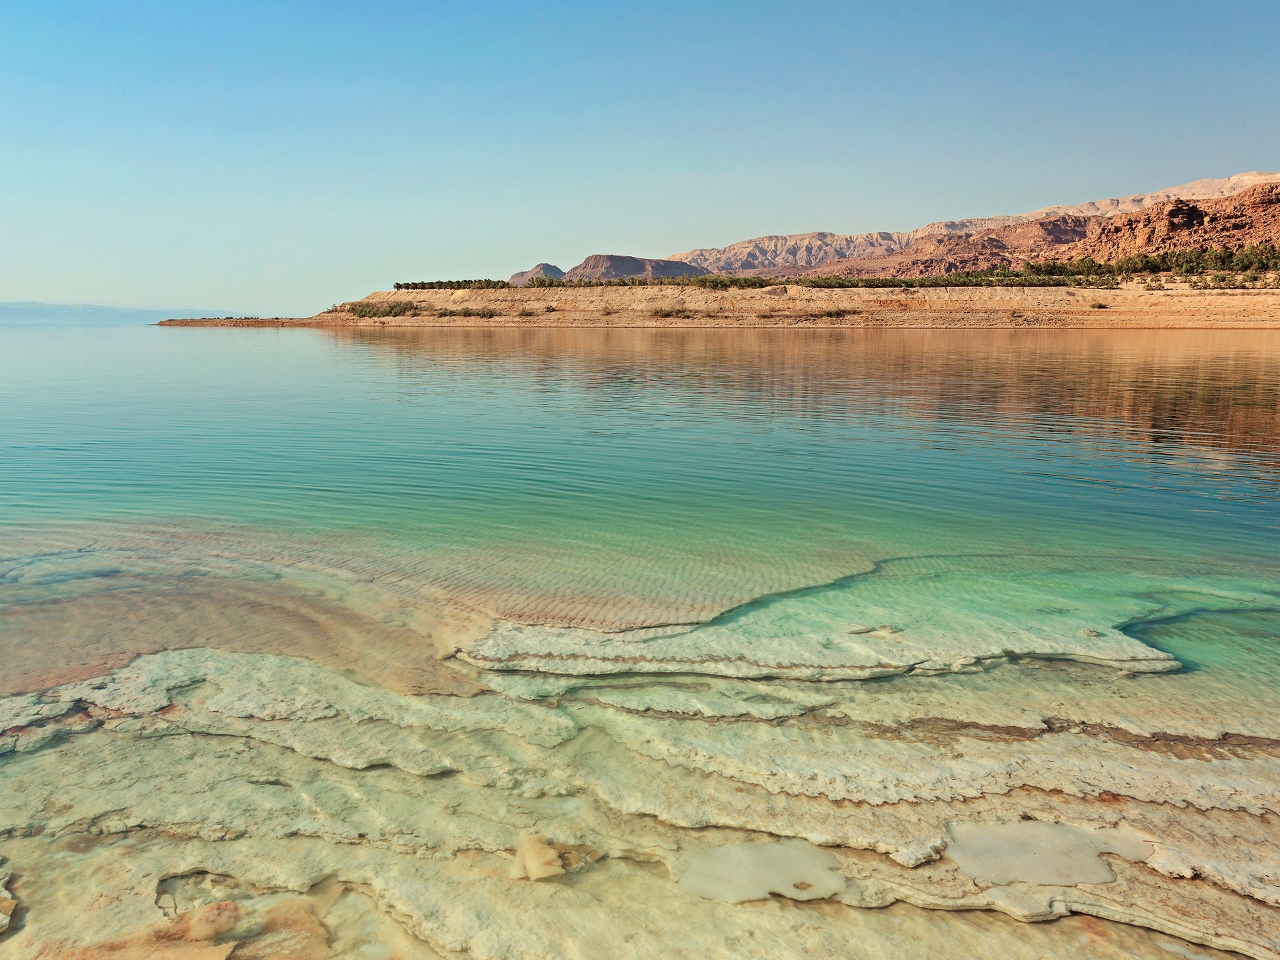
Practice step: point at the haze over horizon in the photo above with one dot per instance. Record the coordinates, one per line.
(275, 160)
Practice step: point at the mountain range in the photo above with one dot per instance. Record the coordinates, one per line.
(1249, 218)
(802, 252)
(1231, 211)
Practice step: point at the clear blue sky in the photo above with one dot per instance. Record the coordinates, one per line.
(277, 157)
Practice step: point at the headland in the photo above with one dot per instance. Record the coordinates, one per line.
(1134, 305)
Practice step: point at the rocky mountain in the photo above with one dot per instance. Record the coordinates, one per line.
(1233, 221)
(1248, 218)
(541, 270)
(803, 252)
(610, 266)
(1196, 190)
(797, 251)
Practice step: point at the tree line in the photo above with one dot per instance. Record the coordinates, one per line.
(454, 285)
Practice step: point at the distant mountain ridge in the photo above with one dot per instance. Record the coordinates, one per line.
(1248, 218)
(609, 266)
(91, 314)
(805, 251)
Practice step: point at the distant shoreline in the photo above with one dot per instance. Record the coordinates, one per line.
(1132, 306)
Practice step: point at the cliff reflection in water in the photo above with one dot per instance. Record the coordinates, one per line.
(1205, 388)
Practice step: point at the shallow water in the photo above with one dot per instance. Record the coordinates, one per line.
(912, 567)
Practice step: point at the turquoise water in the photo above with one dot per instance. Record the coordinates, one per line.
(671, 476)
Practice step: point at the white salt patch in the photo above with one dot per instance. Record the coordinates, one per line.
(751, 871)
(1029, 851)
(26, 709)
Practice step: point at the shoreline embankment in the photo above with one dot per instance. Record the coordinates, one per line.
(1130, 306)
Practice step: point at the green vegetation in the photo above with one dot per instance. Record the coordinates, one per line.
(1097, 305)
(454, 285)
(1253, 259)
(1232, 281)
(484, 312)
(982, 278)
(396, 309)
(1028, 276)
(712, 281)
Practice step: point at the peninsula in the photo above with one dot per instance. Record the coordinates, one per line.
(1205, 254)
(1131, 305)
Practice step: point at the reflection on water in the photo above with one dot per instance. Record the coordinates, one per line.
(1212, 388)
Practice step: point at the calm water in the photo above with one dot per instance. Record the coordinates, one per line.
(666, 476)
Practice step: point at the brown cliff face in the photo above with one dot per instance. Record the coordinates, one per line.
(1248, 218)
(789, 255)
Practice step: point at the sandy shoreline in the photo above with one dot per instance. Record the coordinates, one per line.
(1131, 307)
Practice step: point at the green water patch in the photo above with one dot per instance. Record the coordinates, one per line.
(1242, 637)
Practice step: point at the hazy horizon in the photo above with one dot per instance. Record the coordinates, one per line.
(93, 314)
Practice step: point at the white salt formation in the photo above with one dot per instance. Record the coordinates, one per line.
(820, 634)
(965, 757)
(280, 774)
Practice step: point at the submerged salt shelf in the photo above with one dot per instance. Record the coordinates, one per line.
(754, 651)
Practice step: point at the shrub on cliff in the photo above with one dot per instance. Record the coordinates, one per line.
(483, 312)
(397, 308)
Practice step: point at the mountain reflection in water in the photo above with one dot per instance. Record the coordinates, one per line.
(1169, 387)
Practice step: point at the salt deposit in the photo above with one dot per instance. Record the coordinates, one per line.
(214, 760)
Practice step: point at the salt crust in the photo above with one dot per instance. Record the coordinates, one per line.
(915, 615)
(248, 751)
(832, 656)
(303, 692)
(620, 909)
(844, 764)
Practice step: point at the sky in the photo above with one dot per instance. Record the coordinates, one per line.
(274, 158)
